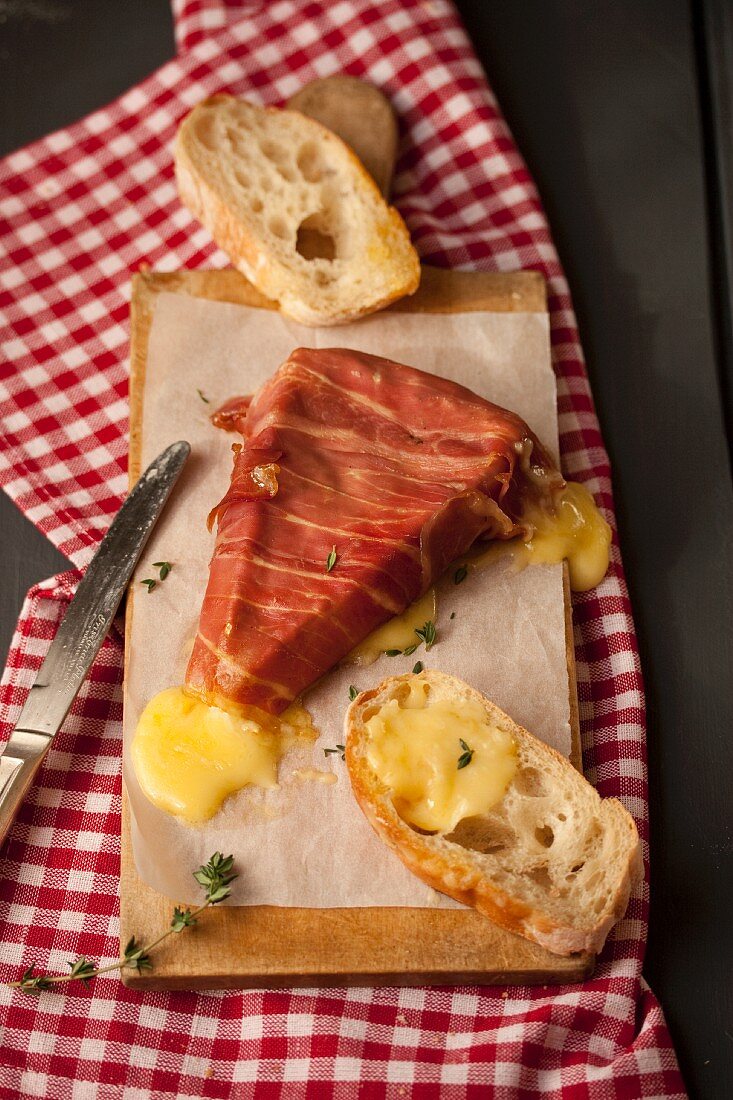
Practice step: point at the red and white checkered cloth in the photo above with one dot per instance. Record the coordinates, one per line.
(79, 211)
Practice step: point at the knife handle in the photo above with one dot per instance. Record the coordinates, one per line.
(19, 763)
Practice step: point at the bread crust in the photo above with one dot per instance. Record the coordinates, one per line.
(258, 263)
(454, 870)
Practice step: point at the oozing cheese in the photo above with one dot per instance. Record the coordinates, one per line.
(414, 746)
(189, 756)
(576, 531)
(398, 633)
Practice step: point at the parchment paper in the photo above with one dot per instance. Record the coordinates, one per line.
(308, 843)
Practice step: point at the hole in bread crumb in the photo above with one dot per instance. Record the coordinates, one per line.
(574, 871)
(309, 162)
(256, 204)
(370, 712)
(401, 691)
(478, 834)
(541, 876)
(323, 279)
(594, 880)
(206, 130)
(273, 151)
(544, 836)
(241, 178)
(312, 242)
(529, 781)
(278, 227)
(237, 142)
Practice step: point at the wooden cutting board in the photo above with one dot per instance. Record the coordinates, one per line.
(267, 946)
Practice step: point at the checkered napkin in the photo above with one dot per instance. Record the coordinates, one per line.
(81, 210)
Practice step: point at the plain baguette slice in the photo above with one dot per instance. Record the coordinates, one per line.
(552, 861)
(274, 188)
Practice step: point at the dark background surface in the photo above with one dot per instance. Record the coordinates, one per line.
(605, 102)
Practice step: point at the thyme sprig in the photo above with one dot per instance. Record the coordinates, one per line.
(214, 877)
(427, 634)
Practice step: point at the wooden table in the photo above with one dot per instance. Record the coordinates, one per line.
(620, 110)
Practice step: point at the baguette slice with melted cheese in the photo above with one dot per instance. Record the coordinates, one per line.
(295, 210)
(549, 860)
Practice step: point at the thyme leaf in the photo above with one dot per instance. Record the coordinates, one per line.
(466, 756)
(215, 877)
(83, 969)
(135, 956)
(182, 918)
(164, 568)
(32, 982)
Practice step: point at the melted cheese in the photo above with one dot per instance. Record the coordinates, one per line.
(414, 746)
(398, 633)
(189, 756)
(575, 531)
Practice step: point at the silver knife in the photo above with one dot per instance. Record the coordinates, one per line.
(83, 629)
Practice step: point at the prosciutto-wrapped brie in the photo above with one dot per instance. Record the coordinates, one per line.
(359, 480)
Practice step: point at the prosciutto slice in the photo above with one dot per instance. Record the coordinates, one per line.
(378, 470)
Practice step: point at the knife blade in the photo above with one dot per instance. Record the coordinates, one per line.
(83, 629)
